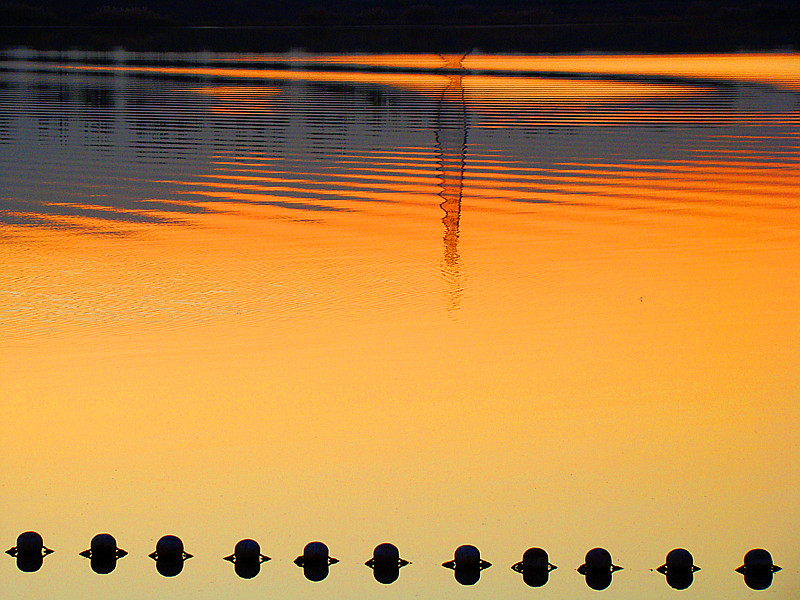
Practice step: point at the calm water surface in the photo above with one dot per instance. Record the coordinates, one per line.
(506, 301)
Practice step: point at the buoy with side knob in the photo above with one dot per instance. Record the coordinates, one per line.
(29, 551)
(467, 564)
(598, 568)
(247, 558)
(103, 553)
(679, 568)
(315, 561)
(386, 563)
(170, 555)
(535, 567)
(758, 569)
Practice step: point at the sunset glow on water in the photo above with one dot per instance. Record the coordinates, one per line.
(537, 301)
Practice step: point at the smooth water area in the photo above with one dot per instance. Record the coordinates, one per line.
(507, 301)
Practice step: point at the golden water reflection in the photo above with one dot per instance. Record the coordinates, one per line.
(227, 312)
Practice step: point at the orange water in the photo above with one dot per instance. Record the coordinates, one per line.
(543, 301)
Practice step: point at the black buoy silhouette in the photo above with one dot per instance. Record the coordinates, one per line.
(170, 556)
(386, 563)
(29, 551)
(598, 568)
(535, 567)
(103, 553)
(679, 569)
(467, 565)
(758, 569)
(247, 558)
(315, 561)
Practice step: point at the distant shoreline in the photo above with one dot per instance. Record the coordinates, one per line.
(671, 36)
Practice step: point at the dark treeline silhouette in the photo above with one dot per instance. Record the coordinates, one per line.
(601, 24)
(380, 12)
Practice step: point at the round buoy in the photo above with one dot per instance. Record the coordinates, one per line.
(535, 567)
(170, 555)
(679, 560)
(598, 559)
(103, 546)
(758, 569)
(103, 553)
(316, 552)
(169, 546)
(315, 561)
(30, 543)
(386, 554)
(247, 558)
(759, 559)
(535, 558)
(598, 568)
(679, 568)
(467, 564)
(386, 563)
(467, 556)
(29, 551)
(247, 550)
